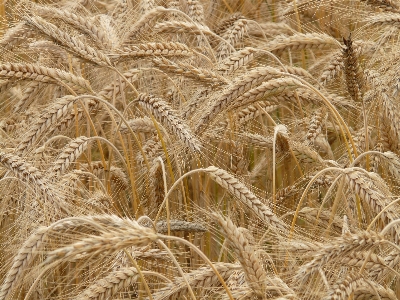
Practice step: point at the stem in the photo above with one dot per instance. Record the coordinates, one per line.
(146, 286)
(165, 194)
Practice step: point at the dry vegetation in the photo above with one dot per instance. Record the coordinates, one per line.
(200, 149)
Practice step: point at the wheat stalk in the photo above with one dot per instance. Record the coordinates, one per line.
(187, 70)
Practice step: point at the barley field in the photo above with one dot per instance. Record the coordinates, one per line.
(199, 149)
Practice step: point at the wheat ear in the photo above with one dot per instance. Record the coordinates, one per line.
(16, 34)
(108, 242)
(391, 260)
(21, 261)
(236, 60)
(181, 27)
(178, 225)
(315, 126)
(268, 88)
(110, 285)
(146, 22)
(352, 283)
(73, 43)
(361, 241)
(189, 71)
(226, 23)
(83, 24)
(25, 171)
(254, 272)
(201, 278)
(332, 68)
(196, 11)
(354, 77)
(386, 5)
(118, 86)
(245, 83)
(363, 186)
(169, 118)
(232, 35)
(238, 189)
(52, 115)
(301, 41)
(28, 97)
(154, 49)
(44, 74)
(144, 125)
(69, 154)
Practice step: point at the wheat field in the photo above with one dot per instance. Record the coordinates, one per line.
(199, 149)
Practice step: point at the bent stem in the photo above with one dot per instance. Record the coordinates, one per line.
(99, 138)
(178, 267)
(303, 196)
(381, 212)
(172, 188)
(204, 257)
(336, 115)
